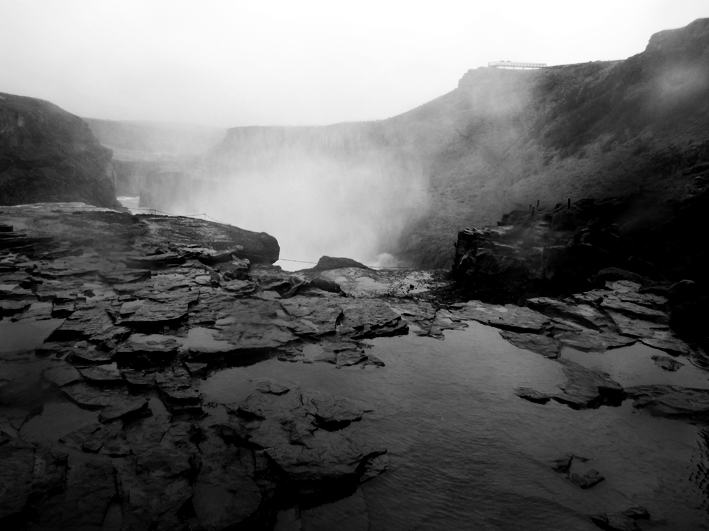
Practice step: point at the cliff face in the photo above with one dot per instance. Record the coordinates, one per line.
(144, 150)
(50, 155)
(638, 127)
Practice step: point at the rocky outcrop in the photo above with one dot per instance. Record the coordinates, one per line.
(119, 318)
(144, 242)
(547, 251)
(111, 322)
(47, 154)
(582, 245)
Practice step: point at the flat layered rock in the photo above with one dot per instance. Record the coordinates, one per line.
(634, 327)
(293, 428)
(330, 412)
(432, 322)
(666, 340)
(61, 375)
(532, 395)
(634, 310)
(586, 480)
(507, 317)
(89, 356)
(321, 457)
(365, 319)
(103, 376)
(240, 288)
(84, 324)
(583, 314)
(106, 439)
(155, 314)
(124, 409)
(114, 403)
(594, 296)
(136, 353)
(206, 343)
(251, 325)
(138, 380)
(587, 388)
(9, 308)
(311, 318)
(350, 358)
(269, 386)
(122, 276)
(671, 401)
(649, 300)
(13, 291)
(212, 257)
(157, 261)
(538, 343)
(168, 282)
(178, 393)
(109, 337)
(593, 341)
(87, 397)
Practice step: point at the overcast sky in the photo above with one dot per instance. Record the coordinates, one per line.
(297, 62)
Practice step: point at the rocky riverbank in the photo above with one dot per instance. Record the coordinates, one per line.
(111, 322)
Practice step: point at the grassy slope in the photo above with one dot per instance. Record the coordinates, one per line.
(594, 129)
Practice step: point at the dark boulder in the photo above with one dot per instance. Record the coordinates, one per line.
(328, 262)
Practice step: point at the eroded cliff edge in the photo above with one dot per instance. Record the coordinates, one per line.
(48, 155)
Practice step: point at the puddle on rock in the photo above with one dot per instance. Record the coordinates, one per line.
(25, 335)
(56, 420)
(466, 453)
(633, 365)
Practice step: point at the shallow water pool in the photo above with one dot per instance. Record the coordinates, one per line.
(466, 453)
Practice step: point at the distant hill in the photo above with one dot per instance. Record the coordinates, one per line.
(135, 139)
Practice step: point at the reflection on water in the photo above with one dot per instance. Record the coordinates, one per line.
(466, 453)
(56, 420)
(633, 365)
(26, 335)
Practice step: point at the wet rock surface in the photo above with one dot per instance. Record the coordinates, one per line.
(621, 521)
(125, 335)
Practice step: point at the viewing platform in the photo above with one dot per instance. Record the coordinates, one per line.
(516, 66)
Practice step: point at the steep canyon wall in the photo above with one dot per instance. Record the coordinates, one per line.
(48, 154)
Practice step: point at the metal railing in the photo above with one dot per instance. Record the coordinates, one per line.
(515, 65)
